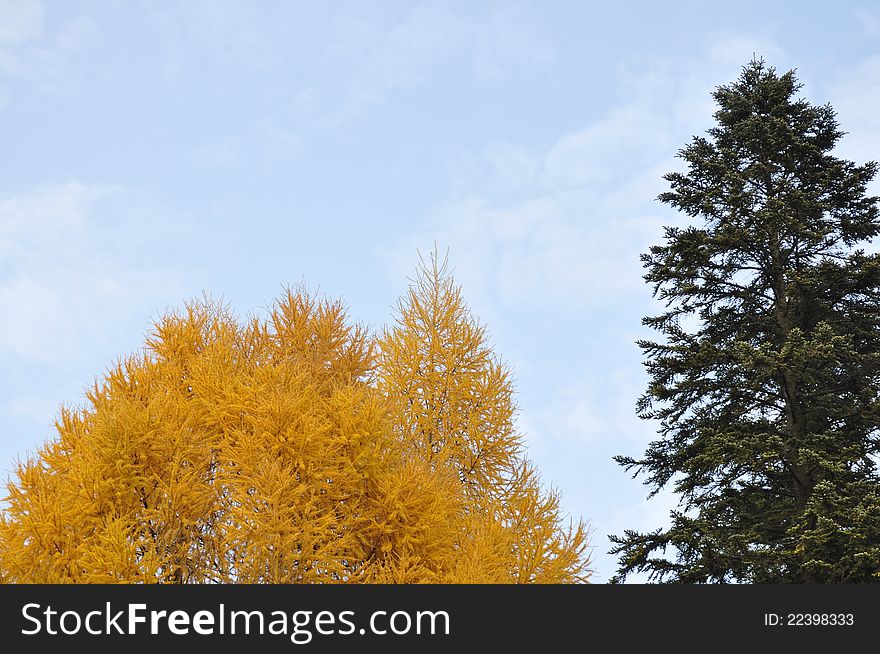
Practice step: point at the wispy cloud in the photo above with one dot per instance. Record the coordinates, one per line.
(23, 21)
(584, 209)
(582, 413)
(616, 146)
(734, 49)
(221, 154)
(236, 35)
(37, 53)
(869, 22)
(249, 144)
(855, 97)
(391, 55)
(77, 261)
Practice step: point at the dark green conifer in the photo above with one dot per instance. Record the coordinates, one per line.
(766, 383)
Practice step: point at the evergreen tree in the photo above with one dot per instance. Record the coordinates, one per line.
(766, 383)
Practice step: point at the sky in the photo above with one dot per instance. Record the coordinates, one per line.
(151, 151)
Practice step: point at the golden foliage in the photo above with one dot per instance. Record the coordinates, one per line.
(452, 405)
(295, 449)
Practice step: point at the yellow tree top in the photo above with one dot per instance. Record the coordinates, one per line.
(453, 406)
(293, 449)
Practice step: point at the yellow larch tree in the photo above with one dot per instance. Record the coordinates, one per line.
(453, 406)
(279, 450)
(255, 453)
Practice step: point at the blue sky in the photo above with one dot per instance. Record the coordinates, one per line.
(155, 150)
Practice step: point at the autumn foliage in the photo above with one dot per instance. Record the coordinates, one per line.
(298, 448)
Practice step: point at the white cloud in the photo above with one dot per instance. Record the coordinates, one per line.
(855, 97)
(408, 51)
(222, 154)
(30, 406)
(253, 142)
(734, 50)
(510, 38)
(869, 22)
(22, 20)
(626, 140)
(597, 408)
(390, 56)
(585, 208)
(233, 34)
(564, 250)
(37, 54)
(510, 167)
(77, 260)
(281, 140)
